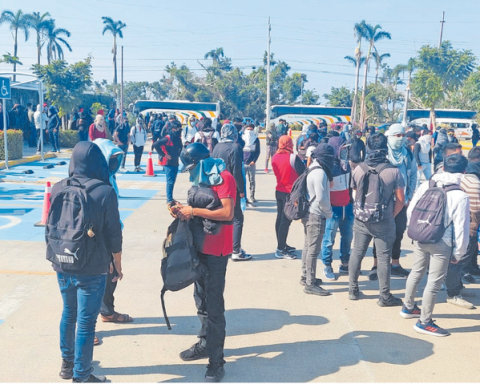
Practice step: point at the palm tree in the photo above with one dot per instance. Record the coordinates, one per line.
(115, 28)
(410, 67)
(378, 62)
(17, 21)
(399, 68)
(54, 42)
(41, 24)
(372, 34)
(9, 59)
(359, 33)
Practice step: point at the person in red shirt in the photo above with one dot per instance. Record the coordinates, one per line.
(214, 252)
(97, 129)
(287, 167)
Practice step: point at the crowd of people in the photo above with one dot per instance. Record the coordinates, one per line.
(371, 190)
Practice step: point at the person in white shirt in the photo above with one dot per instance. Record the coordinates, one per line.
(188, 133)
(40, 121)
(138, 137)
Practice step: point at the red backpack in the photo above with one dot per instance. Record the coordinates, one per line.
(163, 160)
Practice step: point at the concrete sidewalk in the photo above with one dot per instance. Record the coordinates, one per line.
(275, 332)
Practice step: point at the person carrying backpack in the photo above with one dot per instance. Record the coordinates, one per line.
(206, 134)
(438, 222)
(214, 254)
(379, 196)
(82, 233)
(251, 152)
(318, 194)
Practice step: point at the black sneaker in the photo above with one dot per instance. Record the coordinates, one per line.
(316, 290)
(215, 373)
(354, 295)
(91, 379)
(475, 271)
(372, 275)
(195, 352)
(468, 278)
(66, 372)
(392, 301)
(288, 248)
(303, 281)
(399, 271)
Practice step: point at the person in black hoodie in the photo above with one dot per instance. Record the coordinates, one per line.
(232, 154)
(357, 150)
(54, 128)
(82, 291)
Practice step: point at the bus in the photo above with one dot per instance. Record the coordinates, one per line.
(183, 109)
(457, 119)
(309, 114)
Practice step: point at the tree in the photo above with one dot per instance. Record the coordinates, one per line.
(54, 42)
(17, 21)
(378, 62)
(340, 97)
(399, 68)
(371, 34)
(10, 59)
(40, 23)
(310, 97)
(115, 28)
(359, 34)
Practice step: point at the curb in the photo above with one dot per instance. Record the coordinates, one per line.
(26, 160)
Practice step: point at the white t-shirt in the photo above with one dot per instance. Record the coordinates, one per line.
(198, 137)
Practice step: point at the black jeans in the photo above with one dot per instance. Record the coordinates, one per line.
(282, 224)
(401, 226)
(138, 151)
(124, 148)
(237, 225)
(108, 307)
(455, 272)
(208, 294)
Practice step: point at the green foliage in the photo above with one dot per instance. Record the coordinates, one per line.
(427, 86)
(96, 107)
(68, 138)
(339, 97)
(15, 144)
(468, 96)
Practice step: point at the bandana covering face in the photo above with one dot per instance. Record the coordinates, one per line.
(285, 144)
(396, 150)
(324, 154)
(249, 137)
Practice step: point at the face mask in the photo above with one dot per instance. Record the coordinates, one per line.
(396, 143)
(428, 137)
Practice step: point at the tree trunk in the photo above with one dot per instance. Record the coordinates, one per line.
(114, 61)
(15, 48)
(376, 74)
(394, 98)
(353, 116)
(432, 120)
(364, 90)
(38, 48)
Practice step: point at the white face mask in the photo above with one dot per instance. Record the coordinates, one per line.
(396, 143)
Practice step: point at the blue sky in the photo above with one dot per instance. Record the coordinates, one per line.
(312, 36)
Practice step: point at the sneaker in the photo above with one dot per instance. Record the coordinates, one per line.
(215, 373)
(241, 256)
(266, 170)
(468, 279)
(392, 301)
(284, 255)
(195, 352)
(140, 169)
(372, 275)
(459, 301)
(467, 293)
(66, 372)
(328, 272)
(410, 313)
(430, 328)
(399, 271)
(315, 290)
(354, 295)
(303, 281)
(343, 268)
(253, 200)
(290, 249)
(91, 379)
(122, 170)
(475, 271)
(249, 202)
(39, 153)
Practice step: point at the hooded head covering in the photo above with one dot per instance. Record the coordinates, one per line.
(396, 145)
(100, 123)
(114, 157)
(111, 114)
(207, 172)
(324, 155)
(285, 144)
(228, 134)
(340, 155)
(52, 110)
(101, 112)
(89, 162)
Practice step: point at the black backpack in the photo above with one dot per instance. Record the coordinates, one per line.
(68, 223)
(427, 223)
(180, 264)
(370, 202)
(297, 204)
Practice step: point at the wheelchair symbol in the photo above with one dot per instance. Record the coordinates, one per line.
(4, 89)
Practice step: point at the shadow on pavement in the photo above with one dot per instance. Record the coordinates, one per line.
(297, 362)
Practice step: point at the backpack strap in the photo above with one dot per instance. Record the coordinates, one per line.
(162, 298)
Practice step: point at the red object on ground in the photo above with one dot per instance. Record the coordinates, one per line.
(149, 171)
(290, 132)
(46, 205)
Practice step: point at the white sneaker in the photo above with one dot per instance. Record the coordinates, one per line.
(459, 301)
(241, 256)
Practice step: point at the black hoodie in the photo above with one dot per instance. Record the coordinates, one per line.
(88, 162)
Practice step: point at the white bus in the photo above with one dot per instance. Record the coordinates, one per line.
(309, 114)
(457, 119)
(183, 109)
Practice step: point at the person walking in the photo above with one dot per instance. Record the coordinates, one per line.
(251, 152)
(188, 134)
(375, 210)
(54, 124)
(287, 167)
(40, 119)
(138, 137)
(206, 134)
(422, 151)
(231, 153)
(272, 144)
(121, 137)
(451, 248)
(98, 129)
(82, 289)
(357, 150)
(320, 173)
(475, 134)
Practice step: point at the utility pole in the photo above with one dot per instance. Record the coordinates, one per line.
(301, 89)
(121, 89)
(441, 29)
(267, 120)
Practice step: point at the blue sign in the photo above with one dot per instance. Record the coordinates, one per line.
(5, 91)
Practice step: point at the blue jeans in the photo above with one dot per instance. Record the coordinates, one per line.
(83, 135)
(54, 140)
(171, 174)
(82, 298)
(342, 219)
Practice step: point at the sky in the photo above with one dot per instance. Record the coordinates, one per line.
(311, 36)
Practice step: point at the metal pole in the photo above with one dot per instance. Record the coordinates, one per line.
(267, 121)
(121, 89)
(441, 29)
(301, 89)
(405, 107)
(5, 132)
(42, 130)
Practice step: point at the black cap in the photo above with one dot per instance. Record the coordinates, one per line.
(192, 154)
